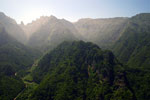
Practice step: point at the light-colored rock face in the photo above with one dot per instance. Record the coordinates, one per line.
(30, 28)
(49, 29)
(49, 22)
(101, 31)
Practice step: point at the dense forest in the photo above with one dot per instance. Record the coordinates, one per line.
(15, 58)
(92, 59)
(133, 49)
(79, 71)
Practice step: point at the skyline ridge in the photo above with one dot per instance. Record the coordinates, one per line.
(84, 18)
(72, 9)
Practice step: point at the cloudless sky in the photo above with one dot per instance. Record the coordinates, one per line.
(72, 10)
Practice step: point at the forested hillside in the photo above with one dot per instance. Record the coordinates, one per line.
(49, 59)
(15, 58)
(133, 49)
(133, 45)
(79, 71)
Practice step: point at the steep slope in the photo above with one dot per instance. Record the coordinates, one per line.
(133, 48)
(48, 32)
(10, 86)
(14, 58)
(103, 32)
(79, 71)
(31, 28)
(14, 53)
(12, 28)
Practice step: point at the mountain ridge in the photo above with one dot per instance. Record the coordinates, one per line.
(75, 69)
(78, 70)
(12, 28)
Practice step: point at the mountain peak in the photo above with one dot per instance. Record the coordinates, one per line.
(79, 66)
(53, 17)
(22, 23)
(84, 19)
(42, 19)
(2, 14)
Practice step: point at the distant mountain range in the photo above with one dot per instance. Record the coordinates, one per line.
(134, 44)
(50, 30)
(36, 63)
(12, 28)
(50, 33)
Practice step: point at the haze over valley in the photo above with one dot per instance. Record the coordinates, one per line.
(93, 58)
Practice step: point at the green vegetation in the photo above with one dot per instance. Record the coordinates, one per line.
(15, 59)
(26, 93)
(14, 55)
(78, 71)
(133, 49)
(10, 86)
(139, 80)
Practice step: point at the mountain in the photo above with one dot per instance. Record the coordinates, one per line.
(133, 49)
(15, 58)
(75, 70)
(14, 53)
(134, 45)
(79, 71)
(47, 32)
(32, 27)
(12, 28)
(103, 32)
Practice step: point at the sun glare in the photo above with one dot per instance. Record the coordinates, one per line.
(33, 15)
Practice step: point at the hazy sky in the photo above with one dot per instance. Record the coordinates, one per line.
(28, 10)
